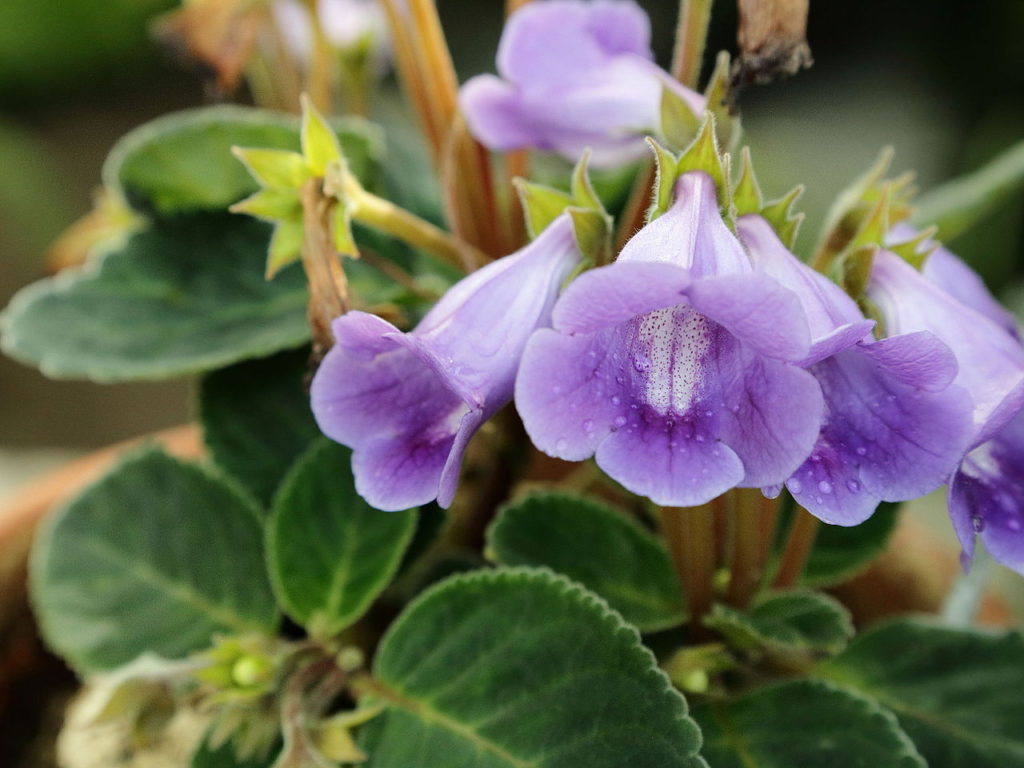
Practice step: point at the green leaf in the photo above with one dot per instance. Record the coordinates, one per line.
(786, 622)
(521, 668)
(183, 162)
(600, 548)
(184, 296)
(841, 553)
(155, 557)
(331, 553)
(956, 692)
(803, 724)
(958, 205)
(256, 419)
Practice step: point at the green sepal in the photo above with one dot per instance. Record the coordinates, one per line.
(272, 204)
(319, 143)
(678, 123)
(541, 205)
(582, 190)
(592, 230)
(341, 230)
(285, 246)
(717, 97)
(703, 154)
(666, 171)
(274, 168)
(746, 194)
(917, 250)
(781, 215)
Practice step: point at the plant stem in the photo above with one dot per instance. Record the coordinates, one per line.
(746, 526)
(799, 543)
(321, 70)
(385, 216)
(435, 61)
(690, 534)
(691, 38)
(328, 287)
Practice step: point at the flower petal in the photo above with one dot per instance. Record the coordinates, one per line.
(618, 292)
(991, 361)
(398, 472)
(889, 433)
(987, 496)
(494, 112)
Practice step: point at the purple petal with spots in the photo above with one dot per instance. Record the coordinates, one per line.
(991, 362)
(573, 75)
(987, 497)
(894, 428)
(407, 404)
(679, 387)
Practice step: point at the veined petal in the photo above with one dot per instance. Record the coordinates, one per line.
(952, 274)
(691, 234)
(889, 433)
(986, 497)
(834, 320)
(991, 362)
(618, 292)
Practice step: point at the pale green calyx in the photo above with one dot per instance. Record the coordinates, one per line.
(591, 223)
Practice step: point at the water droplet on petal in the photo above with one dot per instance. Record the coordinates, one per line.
(1014, 523)
(977, 523)
(616, 399)
(862, 451)
(620, 421)
(772, 491)
(795, 485)
(825, 486)
(853, 486)
(557, 389)
(588, 425)
(561, 444)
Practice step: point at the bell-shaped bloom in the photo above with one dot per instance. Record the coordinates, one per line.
(949, 272)
(674, 366)
(894, 426)
(985, 493)
(408, 403)
(574, 74)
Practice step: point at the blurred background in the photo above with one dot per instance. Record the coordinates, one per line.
(940, 80)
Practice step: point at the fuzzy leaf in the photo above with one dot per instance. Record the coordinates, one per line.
(600, 548)
(520, 668)
(785, 623)
(256, 419)
(183, 162)
(156, 557)
(956, 692)
(330, 553)
(184, 296)
(803, 724)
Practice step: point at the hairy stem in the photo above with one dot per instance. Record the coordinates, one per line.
(328, 287)
(746, 527)
(797, 550)
(385, 216)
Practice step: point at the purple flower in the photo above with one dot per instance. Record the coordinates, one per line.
(985, 493)
(408, 403)
(574, 74)
(894, 428)
(673, 366)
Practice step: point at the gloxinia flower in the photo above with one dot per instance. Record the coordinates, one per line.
(951, 274)
(894, 427)
(674, 365)
(574, 74)
(408, 403)
(984, 493)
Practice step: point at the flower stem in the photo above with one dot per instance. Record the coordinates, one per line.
(385, 216)
(691, 38)
(321, 71)
(799, 543)
(328, 287)
(746, 513)
(690, 534)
